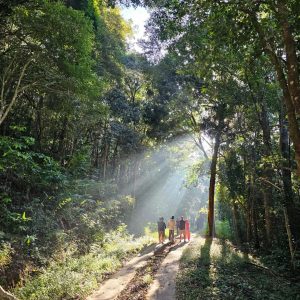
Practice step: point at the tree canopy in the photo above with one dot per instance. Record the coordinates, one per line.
(90, 129)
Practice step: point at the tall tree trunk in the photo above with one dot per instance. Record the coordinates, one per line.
(291, 55)
(290, 237)
(248, 194)
(254, 223)
(268, 173)
(291, 215)
(213, 170)
(212, 184)
(236, 224)
(62, 135)
(105, 159)
(248, 221)
(253, 214)
(38, 123)
(114, 158)
(268, 223)
(294, 129)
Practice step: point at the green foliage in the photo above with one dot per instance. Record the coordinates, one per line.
(223, 229)
(79, 164)
(78, 276)
(24, 172)
(212, 268)
(65, 54)
(84, 109)
(6, 252)
(197, 172)
(151, 231)
(20, 164)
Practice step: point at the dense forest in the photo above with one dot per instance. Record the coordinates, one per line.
(89, 130)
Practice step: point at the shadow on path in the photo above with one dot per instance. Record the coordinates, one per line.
(214, 269)
(163, 286)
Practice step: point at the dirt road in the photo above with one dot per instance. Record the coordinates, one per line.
(129, 283)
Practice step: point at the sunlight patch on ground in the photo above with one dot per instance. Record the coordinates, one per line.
(215, 250)
(214, 269)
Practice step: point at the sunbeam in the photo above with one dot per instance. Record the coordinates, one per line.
(160, 188)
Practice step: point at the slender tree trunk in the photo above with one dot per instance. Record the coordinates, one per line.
(114, 158)
(291, 55)
(254, 224)
(294, 129)
(62, 136)
(248, 221)
(212, 184)
(247, 183)
(105, 159)
(291, 215)
(213, 170)
(96, 152)
(6, 295)
(268, 173)
(38, 123)
(5, 107)
(236, 224)
(268, 223)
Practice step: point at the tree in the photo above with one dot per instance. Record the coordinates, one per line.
(32, 58)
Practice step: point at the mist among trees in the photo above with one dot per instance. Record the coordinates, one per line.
(97, 141)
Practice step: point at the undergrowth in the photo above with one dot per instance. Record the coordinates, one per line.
(212, 269)
(76, 276)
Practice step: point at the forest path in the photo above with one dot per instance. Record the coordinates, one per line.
(164, 284)
(204, 268)
(113, 286)
(131, 282)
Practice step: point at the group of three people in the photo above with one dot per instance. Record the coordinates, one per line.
(182, 229)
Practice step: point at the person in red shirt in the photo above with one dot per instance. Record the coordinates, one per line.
(187, 230)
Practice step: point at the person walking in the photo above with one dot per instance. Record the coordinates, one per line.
(182, 228)
(177, 226)
(161, 226)
(171, 226)
(187, 230)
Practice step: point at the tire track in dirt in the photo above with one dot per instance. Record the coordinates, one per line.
(148, 277)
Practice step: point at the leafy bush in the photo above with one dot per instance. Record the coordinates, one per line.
(78, 276)
(5, 254)
(151, 231)
(26, 168)
(223, 230)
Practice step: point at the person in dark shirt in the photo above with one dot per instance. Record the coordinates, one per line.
(182, 228)
(161, 226)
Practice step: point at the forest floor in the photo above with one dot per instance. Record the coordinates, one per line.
(201, 269)
(215, 269)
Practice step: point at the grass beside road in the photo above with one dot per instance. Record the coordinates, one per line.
(213, 269)
(75, 277)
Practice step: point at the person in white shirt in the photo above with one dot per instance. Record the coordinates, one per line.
(171, 226)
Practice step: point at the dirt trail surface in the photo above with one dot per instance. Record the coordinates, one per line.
(112, 287)
(163, 286)
(132, 281)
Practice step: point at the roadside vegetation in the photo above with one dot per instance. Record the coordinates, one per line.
(74, 276)
(214, 269)
(90, 133)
